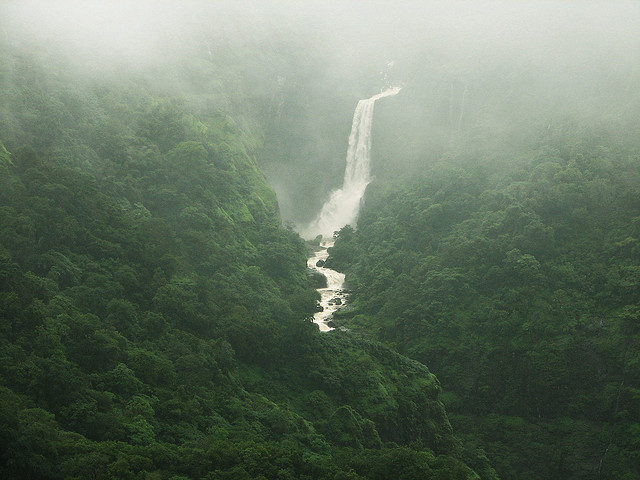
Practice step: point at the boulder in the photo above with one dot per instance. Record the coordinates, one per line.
(317, 279)
(316, 241)
(320, 263)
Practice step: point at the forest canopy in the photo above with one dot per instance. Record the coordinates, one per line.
(154, 311)
(156, 159)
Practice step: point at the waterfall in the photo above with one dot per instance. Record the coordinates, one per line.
(343, 204)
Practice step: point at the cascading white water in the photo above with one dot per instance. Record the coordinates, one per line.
(333, 295)
(342, 207)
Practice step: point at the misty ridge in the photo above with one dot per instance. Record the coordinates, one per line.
(501, 67)
(473, 72)
(165, 168)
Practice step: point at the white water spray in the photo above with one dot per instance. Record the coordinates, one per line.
(342, 207)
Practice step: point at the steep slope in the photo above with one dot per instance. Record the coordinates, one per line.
(515, 278)
(152, 308)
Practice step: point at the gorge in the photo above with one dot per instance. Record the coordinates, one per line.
(162, 165)
(343, 204)
(333, 295)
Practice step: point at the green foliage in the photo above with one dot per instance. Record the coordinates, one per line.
(5, 156)
(517, 284)
(154, 313)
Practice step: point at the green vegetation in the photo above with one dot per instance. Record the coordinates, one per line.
(154, 314)
(515, 276)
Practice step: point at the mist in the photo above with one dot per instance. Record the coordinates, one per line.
(332, 239)
(462, 63)
(558, 35)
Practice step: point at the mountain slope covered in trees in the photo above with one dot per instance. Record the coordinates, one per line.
(154, 313)
(514, 276)
(499, 244)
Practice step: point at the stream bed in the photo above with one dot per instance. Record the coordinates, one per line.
(333, 296)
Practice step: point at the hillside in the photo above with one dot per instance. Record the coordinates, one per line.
(515, 278)
(154, 312)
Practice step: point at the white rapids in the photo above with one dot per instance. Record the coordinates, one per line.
(334, 289)
(344, 203)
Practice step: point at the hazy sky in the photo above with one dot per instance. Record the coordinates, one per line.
(143, 29)
(580, 52)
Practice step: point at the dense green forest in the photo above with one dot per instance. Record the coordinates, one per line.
(155, 305)
(500, 246)
(155, 314)
(515, 277)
